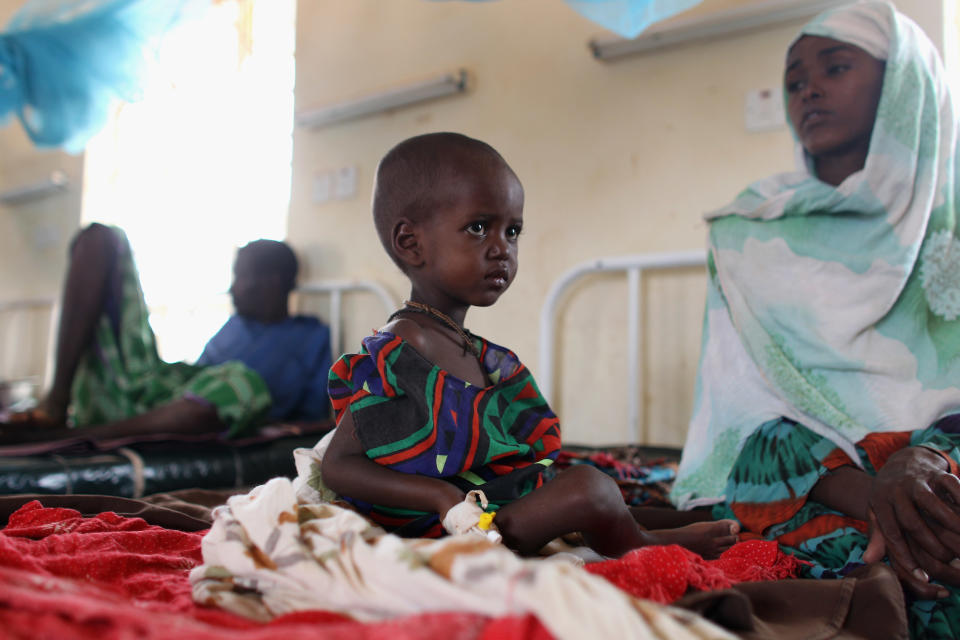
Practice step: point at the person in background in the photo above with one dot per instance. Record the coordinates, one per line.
(109, 380)
(291, 353)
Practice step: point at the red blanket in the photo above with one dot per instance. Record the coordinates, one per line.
(666, 573)
(66, 576)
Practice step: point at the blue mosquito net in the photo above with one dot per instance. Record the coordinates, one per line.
(63, 62)
(628, 18)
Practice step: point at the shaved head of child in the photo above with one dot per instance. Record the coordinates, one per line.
(424, 174)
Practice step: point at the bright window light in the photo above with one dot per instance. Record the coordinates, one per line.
(201, 165)
(951, 45)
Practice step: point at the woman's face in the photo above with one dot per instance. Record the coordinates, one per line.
(833, 89)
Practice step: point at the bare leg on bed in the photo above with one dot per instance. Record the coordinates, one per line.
(93, 255)
(92, 259)
(668, 517)
(90, 276)
(183, 416)
(587, 500)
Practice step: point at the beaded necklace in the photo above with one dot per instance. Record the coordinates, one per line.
(418, 307)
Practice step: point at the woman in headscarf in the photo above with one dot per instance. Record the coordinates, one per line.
(829, 385)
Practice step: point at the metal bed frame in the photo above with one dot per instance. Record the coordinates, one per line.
(334, 289)
(633, 266)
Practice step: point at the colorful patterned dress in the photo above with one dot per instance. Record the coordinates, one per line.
(412, 416)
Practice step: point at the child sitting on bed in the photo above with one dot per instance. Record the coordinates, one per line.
(427, 411)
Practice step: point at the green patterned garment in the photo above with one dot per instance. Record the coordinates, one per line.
(778, 467)
(121, 375)
(837, 307)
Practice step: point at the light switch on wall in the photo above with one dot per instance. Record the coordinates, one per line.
(345, 183)
(764, 110)
(336, 184)
(322, 187)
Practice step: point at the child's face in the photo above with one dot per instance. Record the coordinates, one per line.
(470, 242)
(833, 89)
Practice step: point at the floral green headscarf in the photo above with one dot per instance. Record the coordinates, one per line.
(838, 307)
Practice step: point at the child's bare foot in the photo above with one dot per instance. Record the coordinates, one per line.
(709, 539)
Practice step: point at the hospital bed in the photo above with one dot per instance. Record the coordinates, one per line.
(142, 468)
(657, 320)
(166, 463)
(129, 559)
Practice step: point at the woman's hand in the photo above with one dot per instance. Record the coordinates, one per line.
(914, 509)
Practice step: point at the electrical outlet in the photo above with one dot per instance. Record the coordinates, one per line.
(322, 187)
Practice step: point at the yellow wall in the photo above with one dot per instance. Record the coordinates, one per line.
(33, 240)
(616, 158)
(34, 235)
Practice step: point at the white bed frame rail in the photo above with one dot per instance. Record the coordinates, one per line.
(634, 266)
(11, 341)
(336, 289)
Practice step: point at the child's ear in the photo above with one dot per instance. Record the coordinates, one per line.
(406, 243)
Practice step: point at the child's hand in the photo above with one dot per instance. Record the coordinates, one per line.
(445, 498)
(469, 517)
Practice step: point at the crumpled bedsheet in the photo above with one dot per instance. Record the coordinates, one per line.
(64, 576)
(643, 479)
(268, 554)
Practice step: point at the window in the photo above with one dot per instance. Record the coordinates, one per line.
(951, 45)
(201, 165)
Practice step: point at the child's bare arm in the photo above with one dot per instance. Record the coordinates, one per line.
(347, 470)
